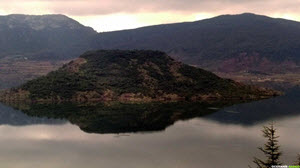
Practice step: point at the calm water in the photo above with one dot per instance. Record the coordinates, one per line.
(154, 136)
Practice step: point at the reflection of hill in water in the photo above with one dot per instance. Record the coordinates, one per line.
(261, 111)
(124, 118)
(121, 118)
(9, 116)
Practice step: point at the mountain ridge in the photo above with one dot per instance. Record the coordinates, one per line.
(39, 37)
(229, 45)
(33, 45)
(216, 39)
(38, 19)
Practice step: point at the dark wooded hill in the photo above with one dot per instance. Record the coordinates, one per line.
(125, 75)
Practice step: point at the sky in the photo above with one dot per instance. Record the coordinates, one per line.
(109, 15)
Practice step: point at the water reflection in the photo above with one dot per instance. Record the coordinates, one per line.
(124, 118)
(10, 116)
(121, 118)
(257, 112)
(208, 137)
(194, 143)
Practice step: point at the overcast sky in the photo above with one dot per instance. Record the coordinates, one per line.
(108, 15)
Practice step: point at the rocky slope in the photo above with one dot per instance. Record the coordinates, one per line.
(138, 76)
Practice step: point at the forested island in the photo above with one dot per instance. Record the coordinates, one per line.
(131, 76)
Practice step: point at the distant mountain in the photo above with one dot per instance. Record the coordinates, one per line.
(227, 43)
(249, 48)
(31, 46)
(42, 37)
(124, 75)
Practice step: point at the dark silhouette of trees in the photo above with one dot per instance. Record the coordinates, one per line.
(270, 149)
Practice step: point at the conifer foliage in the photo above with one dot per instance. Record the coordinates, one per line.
(271, 149)
(297, 162)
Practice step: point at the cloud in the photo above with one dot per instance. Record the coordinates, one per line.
(103, 23)
(106, 15)
(105, 7)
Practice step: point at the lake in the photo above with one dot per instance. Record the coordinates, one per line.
(160, 136)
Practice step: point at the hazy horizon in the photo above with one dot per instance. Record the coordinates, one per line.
(132, 27)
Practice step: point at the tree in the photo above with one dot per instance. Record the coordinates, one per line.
(297, 162)
(270, 148)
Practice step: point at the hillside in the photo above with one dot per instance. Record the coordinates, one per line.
(123, 75)
(42, 37)
(249, 48)
(227, 43)
(33, 45)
